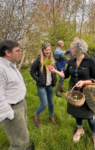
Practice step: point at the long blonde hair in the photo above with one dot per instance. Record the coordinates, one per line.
(44, 46)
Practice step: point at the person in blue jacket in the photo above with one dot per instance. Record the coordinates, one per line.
(60, 65)
(68, 50)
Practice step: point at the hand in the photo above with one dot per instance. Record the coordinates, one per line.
(51, 68)
(11, 115)
(80, 84)
(64, 52)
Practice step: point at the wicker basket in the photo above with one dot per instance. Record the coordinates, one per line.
(89, 91)
(76, 103)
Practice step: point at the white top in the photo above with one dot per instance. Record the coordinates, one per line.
(12, 88)
(48, 79)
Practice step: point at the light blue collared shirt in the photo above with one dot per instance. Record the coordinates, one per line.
(12, 87)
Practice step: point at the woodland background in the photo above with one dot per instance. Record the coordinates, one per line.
(34, 22)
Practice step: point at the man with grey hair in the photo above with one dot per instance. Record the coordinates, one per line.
(68, 50)
(61, 66)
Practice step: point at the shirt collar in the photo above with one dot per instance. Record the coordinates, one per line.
(86, 57)
(6, 62)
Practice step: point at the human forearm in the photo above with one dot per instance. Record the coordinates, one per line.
(67, 51)
(87, 82)
(34, 76)
(81, 83)
(6, 110)
(61, 74)
(33, 73)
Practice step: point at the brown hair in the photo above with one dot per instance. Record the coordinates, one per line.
(7, 45)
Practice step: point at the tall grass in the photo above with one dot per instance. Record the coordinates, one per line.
(47, 136)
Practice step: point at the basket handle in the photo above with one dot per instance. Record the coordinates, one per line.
(73, 89)
(91, 80)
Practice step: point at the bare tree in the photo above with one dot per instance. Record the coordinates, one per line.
(24, 35)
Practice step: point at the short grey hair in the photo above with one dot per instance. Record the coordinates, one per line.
(80, 46)
(59, 43)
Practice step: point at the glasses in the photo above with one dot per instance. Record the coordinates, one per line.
(76, 73)
(18, 50)
(47, 50)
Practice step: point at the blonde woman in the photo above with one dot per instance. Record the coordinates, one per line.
(45, 81)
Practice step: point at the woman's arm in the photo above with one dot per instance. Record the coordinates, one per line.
(34, 68)
(81, 83)
(52, 69)
(92, 68)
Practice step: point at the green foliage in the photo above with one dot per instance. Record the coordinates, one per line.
(47, 136)
(76, 97)
(91, 44)
(48, 62)
(62, 32)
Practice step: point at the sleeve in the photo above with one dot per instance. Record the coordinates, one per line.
(92, 66)
(34, 69)
(58, 66)
(66, 72)
(68, 51)
(56, 57)
(6, 110)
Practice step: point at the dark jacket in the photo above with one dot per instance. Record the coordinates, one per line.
(86, 70)
(38, 76)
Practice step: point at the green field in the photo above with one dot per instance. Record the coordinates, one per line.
(47, 136)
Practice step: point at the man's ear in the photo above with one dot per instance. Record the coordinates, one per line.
(7, 52)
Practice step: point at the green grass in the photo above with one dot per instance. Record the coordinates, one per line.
(47, 136)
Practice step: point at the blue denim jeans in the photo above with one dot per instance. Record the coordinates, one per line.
(62, 79)
(91, 124)
(46, 95)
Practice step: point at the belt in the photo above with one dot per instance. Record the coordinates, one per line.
(16, 103)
